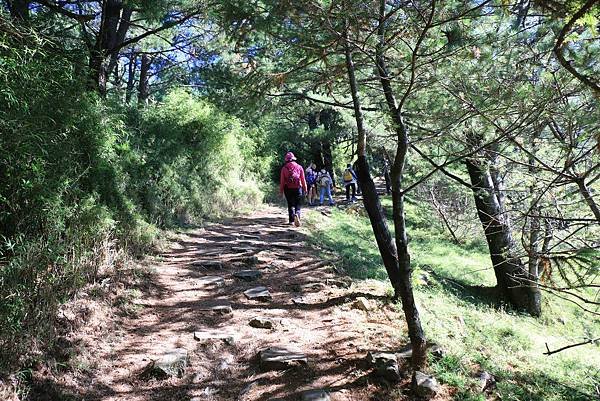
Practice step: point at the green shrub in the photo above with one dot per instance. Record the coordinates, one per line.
(81, 180)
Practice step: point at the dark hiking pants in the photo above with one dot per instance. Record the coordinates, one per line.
(294, 200)
(348, 186)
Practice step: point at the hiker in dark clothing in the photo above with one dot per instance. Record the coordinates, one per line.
(350, 181)
(311, 181)
(292, 184)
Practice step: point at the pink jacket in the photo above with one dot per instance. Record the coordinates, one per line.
(287, 171)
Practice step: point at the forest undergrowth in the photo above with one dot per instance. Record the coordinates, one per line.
(87, 185)
(452, 286)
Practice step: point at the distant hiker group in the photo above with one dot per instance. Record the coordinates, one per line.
(295, 183)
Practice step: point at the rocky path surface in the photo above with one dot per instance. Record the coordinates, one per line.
(245, 310)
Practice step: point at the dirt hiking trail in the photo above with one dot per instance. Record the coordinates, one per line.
(312, 325)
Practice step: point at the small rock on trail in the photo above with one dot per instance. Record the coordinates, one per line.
(207, 336)
(210, 264)
(385, 365)
(362, 303)
(261, 323)
(219, 310)
(424, 385)
(211, 281)
(171, 363)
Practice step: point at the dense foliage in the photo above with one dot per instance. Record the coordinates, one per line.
(121, 118)
(82, 178)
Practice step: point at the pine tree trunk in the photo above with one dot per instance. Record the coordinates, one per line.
(19, 9)
(383, 237)
(413, 321)
(131, 68)
(382, 234)
(114, 25)
(514, 282)
(396, 258)
(98, 72)
(143, 86)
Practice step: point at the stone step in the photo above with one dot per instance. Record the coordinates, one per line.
(248, 275)
(211, 281)
(258, 294)
(208, 336)
(219, 309)
(276, 358)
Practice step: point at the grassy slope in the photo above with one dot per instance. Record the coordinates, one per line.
(476, 333)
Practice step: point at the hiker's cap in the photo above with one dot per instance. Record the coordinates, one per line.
(289, 156)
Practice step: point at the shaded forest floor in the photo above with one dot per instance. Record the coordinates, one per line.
(313, 311)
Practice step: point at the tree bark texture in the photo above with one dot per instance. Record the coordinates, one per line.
(19, 9)
(399, 270)
(589, 199)
(143, 86)
(114, 24)
(514, 282)
(415, 329)
(131, 69)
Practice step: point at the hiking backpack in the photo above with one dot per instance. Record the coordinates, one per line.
(348, 175)
(324, 180)
(293, 180)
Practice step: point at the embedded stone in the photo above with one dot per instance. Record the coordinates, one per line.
(361, 303)
(171, 363)
(258, 294)
(276, 358)
(315, 395)
(251, 237)
(210, 264)
(250, 260)
(310, 287)
(385, 365)
(437, 351)
(261, 323)
(248, 275)
(220, 309)
(424, 385)
(208, 336)
(337, 283)
(211, 281)
(301, 301)
(241, 249)
(487, 381)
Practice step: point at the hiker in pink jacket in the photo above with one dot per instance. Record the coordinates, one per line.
(292, 184)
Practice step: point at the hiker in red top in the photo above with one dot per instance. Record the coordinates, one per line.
(293, 185)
